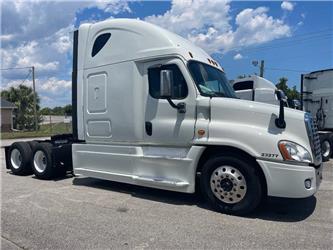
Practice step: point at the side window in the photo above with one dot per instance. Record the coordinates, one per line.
(243, 85)
(99, 43)
(179, 90)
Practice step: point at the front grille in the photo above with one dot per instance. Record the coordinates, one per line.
(314, 139)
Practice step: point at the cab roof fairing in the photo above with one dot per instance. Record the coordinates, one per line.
(140, 40)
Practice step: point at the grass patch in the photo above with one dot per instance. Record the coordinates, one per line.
(44, 131)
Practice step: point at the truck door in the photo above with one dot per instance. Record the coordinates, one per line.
(164, 124)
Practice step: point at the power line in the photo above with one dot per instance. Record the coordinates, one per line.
(26, 77)
(290, 40)
(291, 70)
(305, 55)
(305, 35)
(16, 68)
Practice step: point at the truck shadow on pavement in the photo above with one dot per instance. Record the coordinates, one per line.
(272, 209)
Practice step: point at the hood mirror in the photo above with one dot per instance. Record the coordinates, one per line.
(280, 122)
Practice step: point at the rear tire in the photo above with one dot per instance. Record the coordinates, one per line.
(231, 184)
(331, 139)
(20, 158)
(42, 162)
(32, 145)
(326, 142)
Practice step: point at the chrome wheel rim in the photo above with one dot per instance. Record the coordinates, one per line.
(40, 161)
(326, 148)
(16, 158)
(228, 184)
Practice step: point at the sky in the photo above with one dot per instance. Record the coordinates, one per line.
(292, 37)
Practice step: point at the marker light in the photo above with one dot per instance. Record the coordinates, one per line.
(201, 132)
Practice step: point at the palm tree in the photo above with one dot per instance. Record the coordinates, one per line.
(23, 97)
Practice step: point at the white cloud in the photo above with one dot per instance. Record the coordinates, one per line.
(113, 6)
(288, 6)
(54, 85)
(34, 53)
(208, 25)
(39, 33)
(15, 83)
(256, 27)
(51, 85)
(52, 91)
(238, 56)
(62, 39)
(194, 17)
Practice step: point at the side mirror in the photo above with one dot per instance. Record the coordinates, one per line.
(166, 83)
(166, 86)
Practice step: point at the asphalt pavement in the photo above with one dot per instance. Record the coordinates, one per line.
(86, 213)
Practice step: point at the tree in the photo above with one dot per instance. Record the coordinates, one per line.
(294, 94)
(291, 93)
(46, 111)
(282, 84)
(68, 110)
(58, 111)
(23, 98)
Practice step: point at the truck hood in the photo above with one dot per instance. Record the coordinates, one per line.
(252, 125)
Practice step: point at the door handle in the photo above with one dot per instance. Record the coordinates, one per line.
(149, 128)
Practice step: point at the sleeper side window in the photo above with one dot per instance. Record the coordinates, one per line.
(99, 43)
(243, 85)
(179, 90)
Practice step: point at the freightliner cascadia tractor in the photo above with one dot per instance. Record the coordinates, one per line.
(152, 109)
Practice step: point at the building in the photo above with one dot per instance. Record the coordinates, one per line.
(6, 115)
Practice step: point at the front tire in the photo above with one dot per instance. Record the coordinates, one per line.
(43, 162)
(231, 184)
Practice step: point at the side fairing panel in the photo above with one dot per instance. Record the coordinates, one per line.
(167, 168)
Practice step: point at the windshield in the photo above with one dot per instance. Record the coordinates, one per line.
(210, 80)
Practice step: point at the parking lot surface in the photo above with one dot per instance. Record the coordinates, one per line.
(87, 213)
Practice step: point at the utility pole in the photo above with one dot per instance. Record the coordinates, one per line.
(262, 65)
(35, 102)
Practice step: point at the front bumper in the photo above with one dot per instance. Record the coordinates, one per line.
(288, 180)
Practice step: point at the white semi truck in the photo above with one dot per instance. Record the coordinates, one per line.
(317, 99)
(152, 109)
(255, 88)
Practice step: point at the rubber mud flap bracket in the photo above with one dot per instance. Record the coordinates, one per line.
(149, 128)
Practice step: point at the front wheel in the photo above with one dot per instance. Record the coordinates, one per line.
(231, 185)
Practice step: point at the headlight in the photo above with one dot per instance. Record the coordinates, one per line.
(291, 151)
